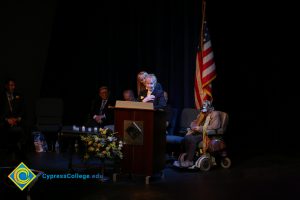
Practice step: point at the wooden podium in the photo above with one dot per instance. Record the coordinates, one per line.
(143, 131)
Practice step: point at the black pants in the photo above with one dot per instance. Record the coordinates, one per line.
(13, 138)
(190, 142)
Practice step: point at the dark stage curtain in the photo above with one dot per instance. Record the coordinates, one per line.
(97, 43)
(108, 43)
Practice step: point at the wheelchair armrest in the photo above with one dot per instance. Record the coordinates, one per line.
(214, 132)
(180, 132)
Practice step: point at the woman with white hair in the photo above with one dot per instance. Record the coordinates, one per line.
(140, 82)
(152, 93)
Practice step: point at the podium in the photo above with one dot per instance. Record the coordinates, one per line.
(143, 131)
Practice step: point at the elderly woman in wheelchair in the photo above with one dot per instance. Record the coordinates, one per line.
(204, 144)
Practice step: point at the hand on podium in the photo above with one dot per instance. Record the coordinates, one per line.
(149, 98)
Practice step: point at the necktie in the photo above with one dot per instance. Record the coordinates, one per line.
(102, 106)
(10, 98)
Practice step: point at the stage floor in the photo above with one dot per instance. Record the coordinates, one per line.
(266, 176)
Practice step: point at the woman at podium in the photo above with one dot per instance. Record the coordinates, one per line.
(141, 84)
(152, 93)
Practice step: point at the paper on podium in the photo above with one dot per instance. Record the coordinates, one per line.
(134, 105)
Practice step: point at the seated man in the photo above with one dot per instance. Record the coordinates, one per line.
(128, 95)
(101, 113)
(152, 93)
(213, 121)
(12, 119)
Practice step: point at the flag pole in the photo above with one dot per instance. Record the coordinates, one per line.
(202, 46)
(202, 27)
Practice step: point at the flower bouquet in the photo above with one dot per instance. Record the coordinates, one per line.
(103, 145)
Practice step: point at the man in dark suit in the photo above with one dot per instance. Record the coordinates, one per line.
(152, 94)
(12, 119)
(102, 113)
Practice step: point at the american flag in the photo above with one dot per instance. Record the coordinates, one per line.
(205, 70)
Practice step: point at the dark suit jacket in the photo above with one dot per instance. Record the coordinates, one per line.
(159, 101)
(17, 105)
(107, 110)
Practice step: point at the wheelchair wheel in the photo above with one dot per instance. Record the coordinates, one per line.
(225, 162)
(203, 163)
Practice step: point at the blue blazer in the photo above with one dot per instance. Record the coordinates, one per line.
(159, 102)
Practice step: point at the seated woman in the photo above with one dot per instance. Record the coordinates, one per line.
(152, 93)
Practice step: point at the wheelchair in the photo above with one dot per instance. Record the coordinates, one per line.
(215, 153)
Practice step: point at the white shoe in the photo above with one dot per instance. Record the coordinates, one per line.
(186, 164)
(176, 163)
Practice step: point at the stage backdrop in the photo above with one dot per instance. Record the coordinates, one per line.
(68, 49)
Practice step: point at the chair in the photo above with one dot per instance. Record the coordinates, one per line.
(49, 114)
(174, 142)
(172, 118)
(187, 116)
(223, 128)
